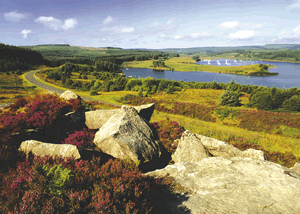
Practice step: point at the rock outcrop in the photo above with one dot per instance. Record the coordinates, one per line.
(96, 119)
(193, 147)
(236, 185)
(67, 95)
(189, 149)
(42, 149)
(296, 168)
(126, 134)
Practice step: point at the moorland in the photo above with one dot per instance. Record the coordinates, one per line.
(246, 116)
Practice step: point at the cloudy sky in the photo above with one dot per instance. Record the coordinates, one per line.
(150, 23)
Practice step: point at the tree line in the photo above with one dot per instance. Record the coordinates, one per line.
(13, 58)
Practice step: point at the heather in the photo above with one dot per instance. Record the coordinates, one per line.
(37, 112)
(82, 139)
(55, 185)
(168, 131)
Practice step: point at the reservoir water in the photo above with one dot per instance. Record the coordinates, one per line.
(289, 74)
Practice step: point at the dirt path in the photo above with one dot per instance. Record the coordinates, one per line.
(30, 78)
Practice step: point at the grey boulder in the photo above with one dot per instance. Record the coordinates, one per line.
(126, 134)
(42, 149)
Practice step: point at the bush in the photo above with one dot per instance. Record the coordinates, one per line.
(262, 100)
(230, 98)
(93, 92)
(292, 104)
(81, 139)
(168, 131)
(58, 185)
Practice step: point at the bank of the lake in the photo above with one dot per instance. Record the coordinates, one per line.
(185, 64)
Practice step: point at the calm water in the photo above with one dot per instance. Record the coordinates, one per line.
(289, 74)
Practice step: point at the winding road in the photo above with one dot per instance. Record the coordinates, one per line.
(30, 77)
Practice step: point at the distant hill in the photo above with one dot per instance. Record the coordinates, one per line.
(194, 50)
(13, 58)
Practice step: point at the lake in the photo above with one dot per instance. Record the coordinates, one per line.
(289, 74)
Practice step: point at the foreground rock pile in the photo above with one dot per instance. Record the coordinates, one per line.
(219, 177)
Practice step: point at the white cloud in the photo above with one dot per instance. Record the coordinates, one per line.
(70, 24)
(295, 5)
(243, 34)
(197, 35)
(229, 24)
(107, 20)
(127, 29)
(56, 24)
(177, 37)
(162, 35)
(297, 29)
(25, 32)
(155, 24)
(14, 16)
(170, 21)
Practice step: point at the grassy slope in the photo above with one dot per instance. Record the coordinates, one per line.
(189, 65)
(9, 91)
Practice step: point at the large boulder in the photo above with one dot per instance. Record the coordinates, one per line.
(96, 119)
(189, 149)
(126, 134)
(235, 185)
(42, 149)
(67, 95)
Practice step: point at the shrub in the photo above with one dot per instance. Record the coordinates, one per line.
(262, 100)
(93, 92)
(58, 185)
(168, 131)
(230, 98)
(81, 139)
(292, 104)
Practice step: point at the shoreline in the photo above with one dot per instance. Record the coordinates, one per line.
(254, 73)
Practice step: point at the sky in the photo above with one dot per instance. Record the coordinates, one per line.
(151, 24)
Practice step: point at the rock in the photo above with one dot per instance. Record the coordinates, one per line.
(145, 111)
(96, 119)
(296, 168)
(126, 134)
(67, 95)
(65, 125)
(189, 149)
(42, 149)
(219, 148)
(236, 185)
(253, 153)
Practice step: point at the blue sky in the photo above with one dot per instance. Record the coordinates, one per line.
(150, 24)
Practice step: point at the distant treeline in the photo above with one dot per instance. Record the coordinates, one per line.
(60, 54)
(14, 58)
